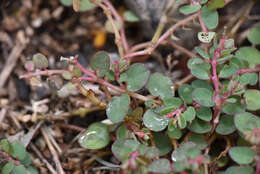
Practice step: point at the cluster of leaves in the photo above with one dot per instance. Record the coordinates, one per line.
(15, 159)
(217, 102)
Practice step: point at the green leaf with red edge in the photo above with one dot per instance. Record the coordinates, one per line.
(246, 122)
(123, 148)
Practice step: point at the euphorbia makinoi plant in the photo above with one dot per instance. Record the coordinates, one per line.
(173, 129)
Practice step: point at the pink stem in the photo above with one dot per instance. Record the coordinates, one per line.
(42, 73)
(103, 82)
(203, 26)
(163, 37)
(118, 18)
(84, 70)
(243, 71)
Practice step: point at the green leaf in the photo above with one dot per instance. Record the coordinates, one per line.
(252, 97)
(254, 35)
(67, 75)
(203, 96)
(182, 123)
(154, 121)
(136, 76)
(206, 37)
(18, 150)
(76, 72)
(246, 122)
(123, 133)
(118, 108)
(226, 125)
(152, 152)
(170, 104)
(32, 170)
(181, 153)
(249, 54)
(242, 155)
(209, 17)
(248, 79)
(109, 27)
(189, 114)
(199, 140)
(173, 131)
(40, 61)
(66, 90)
(162, 142)
(162, 165)
(83, 5)
(185, 92)
(199, 126)
(227, 71)
(96, 136)
(199, 68)
(188, 9)
(19, 170)
(66, 2)
(229, 43)
(203, 1)
(123, 148)
(194, 61)
(204, 113)
(100, 62)
(239, 170)
(160, 85)
(7, 168)
(202, 53)
(215, 4)
(233, 108)
(129, 16)
(27, 160)
(201, 84)
(5, 145)
(201, 71)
